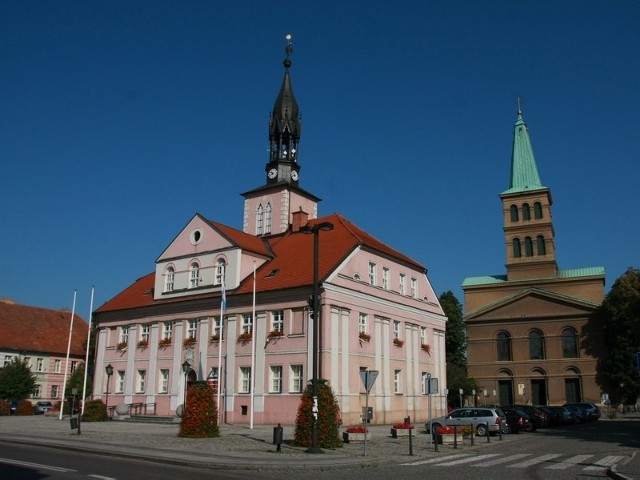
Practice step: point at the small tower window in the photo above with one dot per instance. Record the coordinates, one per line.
(517, 249)
(526, 212)
(542, 250)
(537, 210)
(528, 247)
(267, 223)
(514, 213)
(259, 220)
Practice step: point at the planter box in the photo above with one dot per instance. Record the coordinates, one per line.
(355, 437)
(400, 432)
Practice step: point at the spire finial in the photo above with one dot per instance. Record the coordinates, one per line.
(519, 106)
(288, 50)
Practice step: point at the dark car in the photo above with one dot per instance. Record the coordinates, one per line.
(554, 416)
(517, 420)
(538, 417)
(41, 408)
(578, 412)
(593, 412)
(565, 415)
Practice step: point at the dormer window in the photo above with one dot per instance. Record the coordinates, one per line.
(220, 268)
(169, 279)
(194, 275)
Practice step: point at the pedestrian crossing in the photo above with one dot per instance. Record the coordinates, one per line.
(550, 461)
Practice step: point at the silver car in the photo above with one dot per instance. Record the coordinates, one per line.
(481, 418)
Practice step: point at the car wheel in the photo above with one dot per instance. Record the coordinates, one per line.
(481, 430)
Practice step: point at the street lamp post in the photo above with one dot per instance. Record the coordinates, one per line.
(109, 370)
(186, 366)
(315, 230)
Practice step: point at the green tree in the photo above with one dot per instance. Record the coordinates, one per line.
(329, 419)
(200, 417)
(76, 380)
(16, 380)
(456, 349)
(617, 372)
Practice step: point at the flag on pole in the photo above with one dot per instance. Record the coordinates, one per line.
(223, 301)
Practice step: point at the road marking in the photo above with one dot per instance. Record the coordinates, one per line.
(35, 465)
(102, 477)
(467, 460)
(535, 461)
(604, 463)
(435, 460)
(498, 461)
(569, 462)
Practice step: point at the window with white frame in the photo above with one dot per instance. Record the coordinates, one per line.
(277, 321)
(267, 220)
(169, 278)
(57, 366)
(74, 365)
(385, 278)
(54, 391)
(220, 268)
(397, 381)
(396, 329)
(167, 330)
(39, 364)
(414, 288)
(247, 323)
(425, 376)
(363, 323)
(276, 379)
(216, 327)
(163, 385)
(423, 335)
(27, 362)
(140, 382)
(144, 332)
(245, 380)
(296, 381)
(120, 381)
(7, 360)
(192, 328)
(37, 391)
(259, 220)
(372, 273)
(124, 334)
(194, 275)
(403, 284)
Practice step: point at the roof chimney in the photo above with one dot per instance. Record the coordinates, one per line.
(300, 219)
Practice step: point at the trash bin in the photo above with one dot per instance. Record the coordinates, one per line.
(74, 423)
(277, 436)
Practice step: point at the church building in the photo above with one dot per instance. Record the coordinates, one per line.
(531, 333)
(233, 308)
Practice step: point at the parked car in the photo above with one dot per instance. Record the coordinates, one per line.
(579, 413)
(41, 408)
(593, 412)
(566, 416)
(517, 420)
(554, 417)
(482, 419)
(537, 416)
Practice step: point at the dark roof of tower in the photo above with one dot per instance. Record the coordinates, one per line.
(285, 116)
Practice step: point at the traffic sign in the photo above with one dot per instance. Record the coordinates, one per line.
(368, 378)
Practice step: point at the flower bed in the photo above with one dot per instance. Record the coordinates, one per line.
(402, 429)
(356, 433)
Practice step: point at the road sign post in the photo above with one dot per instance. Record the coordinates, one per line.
(368, 379)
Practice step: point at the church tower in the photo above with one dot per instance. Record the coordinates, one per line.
(528, 226)
(280, 204)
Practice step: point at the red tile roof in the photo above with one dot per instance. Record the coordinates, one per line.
(34, 329)
(291, 260)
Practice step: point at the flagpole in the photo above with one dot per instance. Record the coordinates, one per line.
(253, 344)
(86, 358)
(223, 306)
(64, 383)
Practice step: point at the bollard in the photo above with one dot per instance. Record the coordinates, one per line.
(277, 437)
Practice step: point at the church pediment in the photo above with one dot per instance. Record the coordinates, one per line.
(532, 304)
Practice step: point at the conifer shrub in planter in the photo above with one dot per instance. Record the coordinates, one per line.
(95, 411)
(329, 419)
(200, 417)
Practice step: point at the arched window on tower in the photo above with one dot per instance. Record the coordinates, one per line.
(517, 249)
(541, 246)
(259, 220)
(267, 223)
(514, 213)
(220, 268)
(526, 212)
(537, 210)
(169, 279)
(569, 338)
(503, 345)
(536, 345)
(528, 247)
(194, 275)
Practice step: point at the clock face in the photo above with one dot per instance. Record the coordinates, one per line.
(294, 175)
(273, 173)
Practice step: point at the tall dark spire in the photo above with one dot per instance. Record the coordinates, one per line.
(284, 130)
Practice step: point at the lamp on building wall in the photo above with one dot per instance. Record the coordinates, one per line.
(315, 230)
(109, 370)
(186, 367)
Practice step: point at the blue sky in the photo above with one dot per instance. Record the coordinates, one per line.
(120, 120)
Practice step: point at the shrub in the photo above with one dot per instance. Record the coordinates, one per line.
(329, 419)
(200, 417)
(25, 407)
(95, 411)
(4, 407)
